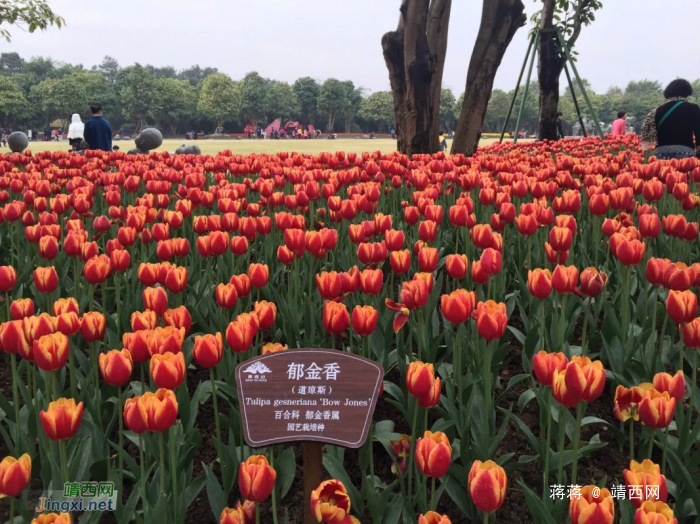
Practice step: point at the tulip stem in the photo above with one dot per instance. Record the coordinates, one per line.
(143, 471)
(64, 460)
(411, 454)
(487, 389)
(457, 372)
(631, 439)
(15, 402)
(54, 385)
(562, 323)
(543, 343)
(433, 502)
(173, 471)
(162, 464)
(120, 459)
(212, 377)
(663, 455)
(257, 513)
(577, 437)
(71, 369)
(562, 437)
(545, 483)
(486, 518)
(625, 312)
(584, 342)
(12, 510)
(143, 378)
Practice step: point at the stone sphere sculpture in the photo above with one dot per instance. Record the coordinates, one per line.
(17, 141)
(136, 151)
(149, 139)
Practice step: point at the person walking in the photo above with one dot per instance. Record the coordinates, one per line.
(560, 125)
(619, 126)
(669, 128)
(98, 131)
(29, 135)
(76, 131)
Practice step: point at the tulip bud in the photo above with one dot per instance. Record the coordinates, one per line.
(487, 484)
(432, 517)
(256, 478)
(592, 282)
(116, 366)
(232, 516)
(62, 418)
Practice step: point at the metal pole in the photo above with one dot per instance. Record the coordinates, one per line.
(573, 95)
(527, 87)
(565, 46)
(517, 88)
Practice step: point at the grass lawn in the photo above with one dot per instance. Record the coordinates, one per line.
(244, 147)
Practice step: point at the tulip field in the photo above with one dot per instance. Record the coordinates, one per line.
(534, 309)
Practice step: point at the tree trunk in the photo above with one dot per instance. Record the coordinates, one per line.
(415, 57)
(550, 64)
(500, 20)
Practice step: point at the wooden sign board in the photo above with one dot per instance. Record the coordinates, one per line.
(311, 395)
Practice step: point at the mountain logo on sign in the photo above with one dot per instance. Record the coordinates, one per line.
(256, 368)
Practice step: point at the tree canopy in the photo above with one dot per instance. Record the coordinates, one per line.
(220, 98)
(28, 14)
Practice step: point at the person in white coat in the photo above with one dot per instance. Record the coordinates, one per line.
(76, 131)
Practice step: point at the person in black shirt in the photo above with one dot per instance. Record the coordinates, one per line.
(560, 125)
(674, 127)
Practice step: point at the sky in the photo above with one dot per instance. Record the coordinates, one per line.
(288, 39)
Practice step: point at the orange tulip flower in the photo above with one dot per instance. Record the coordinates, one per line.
(674, 385)
(168, 370)
(433, 454)
(457, 307)
(329, 285)
(116, 366)
(8, 278)
(336, 318)
(21, 308)
(656, 409)
(273, 347)
(241, 332)
(142, 320)
(208, 350)
(428, 259)
(65, 305)
(456, 266)
(651, 512)
(97, 269)
(432, 517)
(539, 283)
(691, 333)
(546, 364)
(400, 261)
(53, 518)
(51, 352)
(487, 484)
(585, 378)
(266, 313)
(643, 475)
(226, 296)
(681, 306)
(491, 319)
(330, 502)
(176, 279)
(592, 282)
(627, 401)
(371, 281)
(62, 418)
(93, 326)
(154, 412)
(232, 516)
(590, 509)
(14, 475)
(364, 320)
(564, 279)
(45, 279)
(178, 318)
(256, 478)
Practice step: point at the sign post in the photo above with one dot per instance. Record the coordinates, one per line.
(314, 396)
